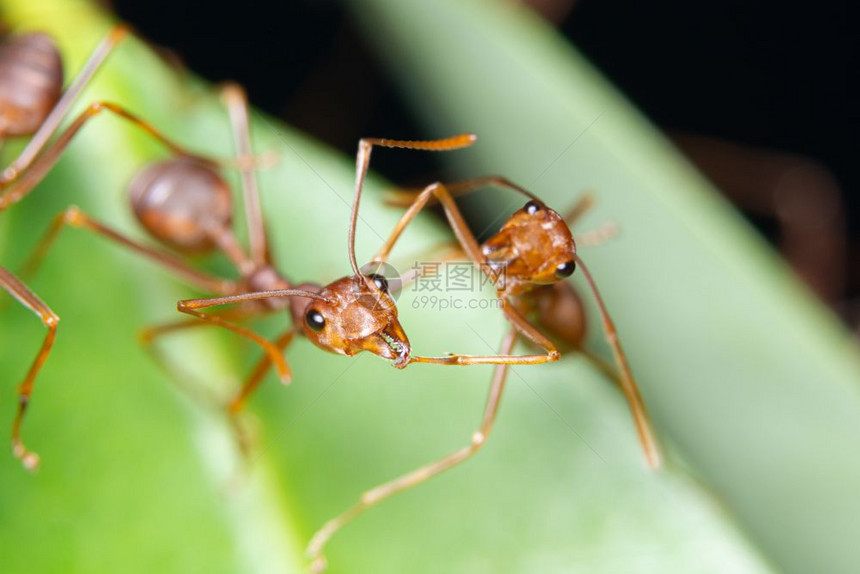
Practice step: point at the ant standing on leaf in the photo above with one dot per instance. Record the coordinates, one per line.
(356, 313)
(528, 260)
(33, 103)
(184, 203)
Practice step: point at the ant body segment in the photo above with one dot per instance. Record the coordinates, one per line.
(528, 260)
(33, 103)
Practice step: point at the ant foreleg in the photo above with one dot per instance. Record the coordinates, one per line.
(458, 223)
(416, 477)
(189, 307)
(150, 334)
(362, 163)
(404, 197)
(193, 307)
(237, 403)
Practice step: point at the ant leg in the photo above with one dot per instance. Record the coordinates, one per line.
(604, 367)
(531, 333)
(237, 106)
(24, 181)
(19, 291)
(404, 197)
(20, 184)
(190, 306)
(253, 381)
(626, 380)
(580, 208)
(52, 122)
(458, 223)
(441, 255)
(416, 477)
(596, 237)
(148, 336)
(74, 217)
(519, 323)
(362, 162)
(473, 249)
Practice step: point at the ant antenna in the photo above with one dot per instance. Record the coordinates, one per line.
(255, 296)
(362, 161)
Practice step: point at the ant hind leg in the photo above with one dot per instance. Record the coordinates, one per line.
(19, 291)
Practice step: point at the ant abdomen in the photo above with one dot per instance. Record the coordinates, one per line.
(182, 203)
(31, 81)
(560, 311)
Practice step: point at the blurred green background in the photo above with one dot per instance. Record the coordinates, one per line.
(753, 386)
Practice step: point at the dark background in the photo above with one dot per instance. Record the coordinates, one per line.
(779, 78)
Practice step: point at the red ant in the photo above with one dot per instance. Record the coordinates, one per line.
(33, 103)
(528, 260)
(356, 313)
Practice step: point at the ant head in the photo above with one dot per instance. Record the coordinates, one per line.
(358, 314)
(31, 81)
(534, 247)
(182, 203)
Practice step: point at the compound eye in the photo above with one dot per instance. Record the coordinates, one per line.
(380, 281)
(565, 269)
(532, 207)
(315, 320)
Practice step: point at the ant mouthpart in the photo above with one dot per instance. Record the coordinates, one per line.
(396, 347)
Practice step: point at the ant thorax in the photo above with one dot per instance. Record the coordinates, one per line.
(534, 247)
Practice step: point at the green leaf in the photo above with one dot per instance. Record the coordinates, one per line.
(752, 379)
(137, 477)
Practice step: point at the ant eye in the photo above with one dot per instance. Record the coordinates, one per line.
(565, 269)
(532, 207)
(380, 281)
(315, 320)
